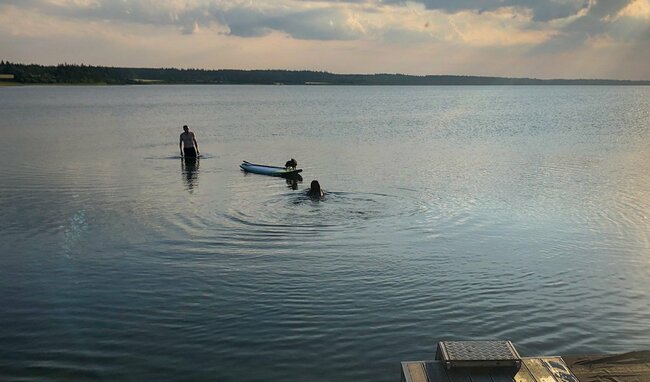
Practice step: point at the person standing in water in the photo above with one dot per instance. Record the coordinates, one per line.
(187, 144)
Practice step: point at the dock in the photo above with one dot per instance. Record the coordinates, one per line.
(499, 361)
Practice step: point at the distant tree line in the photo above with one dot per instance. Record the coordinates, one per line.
(87, 74)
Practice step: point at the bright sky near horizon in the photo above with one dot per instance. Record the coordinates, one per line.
(510, 38)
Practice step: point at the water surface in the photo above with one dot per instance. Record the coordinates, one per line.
(452, 213)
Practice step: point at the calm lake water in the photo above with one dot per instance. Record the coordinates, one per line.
(518, 213)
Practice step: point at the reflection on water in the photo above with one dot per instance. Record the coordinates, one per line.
(292, 182)
(190, 172)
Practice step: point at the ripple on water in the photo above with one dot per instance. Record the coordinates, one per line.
(338, 214)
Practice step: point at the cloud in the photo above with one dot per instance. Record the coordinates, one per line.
(541, 10)
(314, 20)
(182, 14)
(245, 19)
(310, 24)
(637, 9)
(503, 27)
(490, 37)
(601, 24)
(599, 41)
(324, 20)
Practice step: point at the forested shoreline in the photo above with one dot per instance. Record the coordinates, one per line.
(87, 74)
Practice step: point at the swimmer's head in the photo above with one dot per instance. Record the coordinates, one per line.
(314, 189)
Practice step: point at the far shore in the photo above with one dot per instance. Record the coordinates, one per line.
(158, 83)
(68, 74)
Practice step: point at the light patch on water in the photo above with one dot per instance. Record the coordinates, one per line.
(74, 232)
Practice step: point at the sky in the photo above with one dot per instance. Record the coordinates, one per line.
(507, 38)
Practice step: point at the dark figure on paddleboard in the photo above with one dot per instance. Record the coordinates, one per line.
(315, 192)
(187, 144)
(291, 164)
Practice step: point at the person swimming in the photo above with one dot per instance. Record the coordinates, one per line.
(315, 191)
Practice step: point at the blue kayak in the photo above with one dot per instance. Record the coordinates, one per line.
(268, 170)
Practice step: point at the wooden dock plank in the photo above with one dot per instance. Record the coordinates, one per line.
(539, 370)
(417, 372)
(459, 375)
(436, 372)
(480, 374)
(559, 369)
(523, 375)
(626, 367)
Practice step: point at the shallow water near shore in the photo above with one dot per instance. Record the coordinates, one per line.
(518, 213)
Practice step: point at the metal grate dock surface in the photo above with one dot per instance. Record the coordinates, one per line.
(533, 369)
(478, 353)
